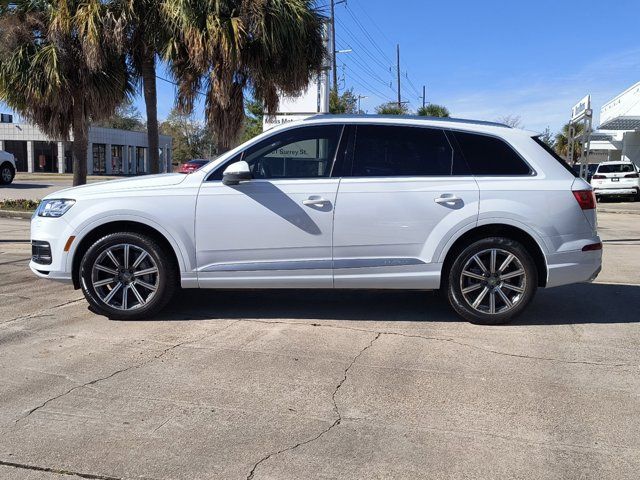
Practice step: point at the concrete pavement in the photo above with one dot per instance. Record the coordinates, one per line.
(290, 385)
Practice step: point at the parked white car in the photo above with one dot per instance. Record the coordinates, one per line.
(485, 212)
(7, 168)
(616, 179)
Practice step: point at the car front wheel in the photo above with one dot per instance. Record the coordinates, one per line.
(127, 276)
(491, 281)
(7, 173)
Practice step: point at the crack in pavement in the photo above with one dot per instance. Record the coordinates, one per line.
(451, 340)
(57, 471)
(41, 312)
(335, 423)
(122, 370)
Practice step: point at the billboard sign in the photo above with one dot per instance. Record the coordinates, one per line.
(581, 108)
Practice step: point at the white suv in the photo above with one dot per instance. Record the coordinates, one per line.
(480, 210)
(616, 178)
(7, 168)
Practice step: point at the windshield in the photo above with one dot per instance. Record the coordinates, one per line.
(617, 168)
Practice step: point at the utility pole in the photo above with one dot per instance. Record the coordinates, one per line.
(424, 96)
(360, 97)
(333, 46)
(399, 91)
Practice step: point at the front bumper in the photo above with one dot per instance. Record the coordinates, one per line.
(55, 232)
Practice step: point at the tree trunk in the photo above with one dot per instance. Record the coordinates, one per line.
(80, 130)
(151, 103)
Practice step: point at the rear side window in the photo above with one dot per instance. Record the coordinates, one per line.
(490, 156)
(575, 171)
(617, 168)
(393, 151)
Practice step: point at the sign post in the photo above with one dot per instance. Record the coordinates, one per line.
(581, 112)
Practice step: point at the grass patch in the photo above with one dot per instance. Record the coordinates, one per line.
(21, 205)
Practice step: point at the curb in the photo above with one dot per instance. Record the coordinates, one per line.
(611, 210)
(16, 214)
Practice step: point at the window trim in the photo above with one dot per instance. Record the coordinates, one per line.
(240, 155)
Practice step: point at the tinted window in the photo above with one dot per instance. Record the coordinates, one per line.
(575, 170)
(305, 152)
(490, 156)
(617, 168)
(388, 151)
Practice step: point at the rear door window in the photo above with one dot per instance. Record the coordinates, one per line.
(490, 156)
(396, 151)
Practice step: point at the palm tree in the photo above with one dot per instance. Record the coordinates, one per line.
(52, 77)
(562, 142)
(392, 108)
(228, 47)
(433, 110)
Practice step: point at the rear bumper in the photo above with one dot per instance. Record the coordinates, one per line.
(616, 191)
(573, 267)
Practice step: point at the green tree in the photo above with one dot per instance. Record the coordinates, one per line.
(562, 142)
(433, 110)
(254, 118)
(392, 108)
(227, 48)
(191, 139)
(54, 78)
(126, 117)
(345, 103)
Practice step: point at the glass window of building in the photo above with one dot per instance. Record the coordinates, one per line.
(117, 166)
(45, 157)
(141, 159)
(99, 158)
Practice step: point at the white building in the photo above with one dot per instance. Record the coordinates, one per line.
(110, 152)
(618, 136)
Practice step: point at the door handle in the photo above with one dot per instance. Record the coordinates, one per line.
(315, 201)
(447, 198)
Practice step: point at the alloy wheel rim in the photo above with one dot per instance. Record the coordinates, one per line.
(493, 281)
(125, 277)
(6, 174)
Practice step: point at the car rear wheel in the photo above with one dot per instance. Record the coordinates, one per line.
(491, 281)
(7, 174)
(127, 276)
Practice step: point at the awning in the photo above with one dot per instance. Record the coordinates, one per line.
(621, 123)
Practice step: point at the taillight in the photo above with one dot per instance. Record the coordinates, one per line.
(598, 177)
(586, 199)
(592, 247)
(632, 175)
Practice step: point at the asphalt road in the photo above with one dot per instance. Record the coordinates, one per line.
(302, 385)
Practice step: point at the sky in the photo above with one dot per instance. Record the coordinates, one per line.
(483, 59)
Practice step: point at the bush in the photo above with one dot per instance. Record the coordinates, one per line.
(21, 204)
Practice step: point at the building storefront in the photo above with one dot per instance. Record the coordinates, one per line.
(618, 136)
(110, 151)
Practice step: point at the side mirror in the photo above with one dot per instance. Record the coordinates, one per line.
(235, 173)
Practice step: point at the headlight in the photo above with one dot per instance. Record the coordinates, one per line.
(54, 208)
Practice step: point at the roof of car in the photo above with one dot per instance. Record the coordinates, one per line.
(408, 118)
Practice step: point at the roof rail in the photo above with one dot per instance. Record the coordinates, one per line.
(409, 117)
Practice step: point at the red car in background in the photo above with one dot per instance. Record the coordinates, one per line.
(192, 165)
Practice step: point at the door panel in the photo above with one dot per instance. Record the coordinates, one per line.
(276, 229)
(394, 226)
(405, 195)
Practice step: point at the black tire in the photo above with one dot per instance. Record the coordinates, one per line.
(7, 174)
(166, 281)
(527, 282)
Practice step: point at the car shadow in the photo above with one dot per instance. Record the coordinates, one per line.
(575, 304)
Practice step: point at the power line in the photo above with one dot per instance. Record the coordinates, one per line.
(367, 34)
(362, 63)
(363, 47)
